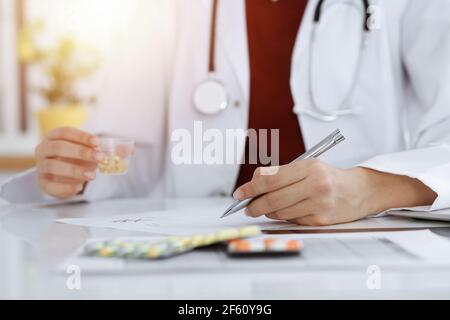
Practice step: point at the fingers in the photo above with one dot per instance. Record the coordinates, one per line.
(70, 143)
(310, 212)
(65, 149)
(319, 211)
(60, 190)
(66, 159)
(263, 183)
(296, 211)
(68, 170)
(277, 200)
(60, 179)
(314, 221)
(74, 135)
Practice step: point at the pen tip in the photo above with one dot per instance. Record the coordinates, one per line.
(225, 214)
(228, 211)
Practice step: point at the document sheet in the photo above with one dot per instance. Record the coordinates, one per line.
(174, 222)
(190, 221)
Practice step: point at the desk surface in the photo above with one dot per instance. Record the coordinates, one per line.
(32, 244)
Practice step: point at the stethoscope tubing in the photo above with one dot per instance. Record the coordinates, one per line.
(316, 110)
(344, 107)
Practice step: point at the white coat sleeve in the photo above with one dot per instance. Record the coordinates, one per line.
(426, 57)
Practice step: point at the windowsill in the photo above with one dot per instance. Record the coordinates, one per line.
(18, 163)
(16, 153)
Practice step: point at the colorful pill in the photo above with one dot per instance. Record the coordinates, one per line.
(106, 252)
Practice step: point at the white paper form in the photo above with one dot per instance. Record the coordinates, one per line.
(201, 220)
(189, 221)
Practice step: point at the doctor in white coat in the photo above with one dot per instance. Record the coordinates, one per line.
(384, 82)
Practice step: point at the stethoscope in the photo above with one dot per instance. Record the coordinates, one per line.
(210, 97)
(345, 107)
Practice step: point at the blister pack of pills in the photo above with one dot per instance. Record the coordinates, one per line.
(143, 249)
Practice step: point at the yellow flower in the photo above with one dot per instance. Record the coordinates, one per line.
(27, 50)
(64, 64)
(25, 47)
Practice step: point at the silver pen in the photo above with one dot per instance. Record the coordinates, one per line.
(328, 143)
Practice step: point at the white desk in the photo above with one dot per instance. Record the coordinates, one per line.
(31, 244)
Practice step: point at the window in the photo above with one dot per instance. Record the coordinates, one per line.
(16, 141)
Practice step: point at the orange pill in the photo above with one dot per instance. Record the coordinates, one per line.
(293, 245)
(268, 243)
(242, 246)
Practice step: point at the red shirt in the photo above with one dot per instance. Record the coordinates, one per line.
(272, 28)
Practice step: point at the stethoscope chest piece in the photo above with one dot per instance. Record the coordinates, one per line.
(210, 97)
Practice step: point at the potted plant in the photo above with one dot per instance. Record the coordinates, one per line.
(63, 66)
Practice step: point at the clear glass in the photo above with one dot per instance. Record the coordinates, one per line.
(118, 155)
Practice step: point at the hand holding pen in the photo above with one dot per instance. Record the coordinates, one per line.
(306, 192)
(323, 146)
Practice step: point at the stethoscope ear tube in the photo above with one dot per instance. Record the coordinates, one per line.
(366, 4)
(211, 97)
(366, 21)
(318, 11)
(212, 38)
(344, 108)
